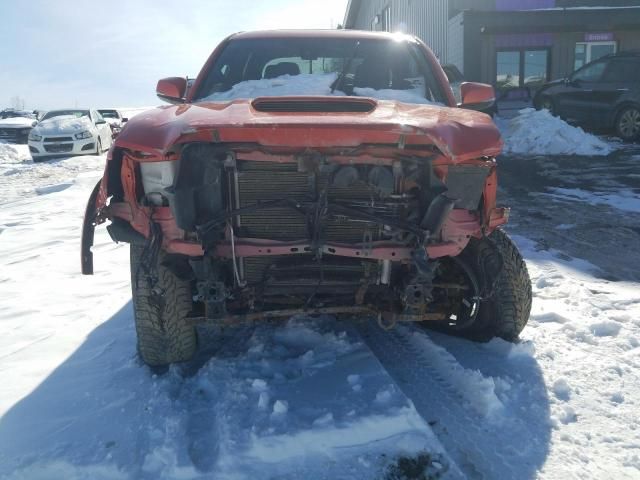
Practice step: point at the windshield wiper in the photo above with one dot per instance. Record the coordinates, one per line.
(345, 68)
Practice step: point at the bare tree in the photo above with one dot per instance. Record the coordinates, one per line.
(17, 102)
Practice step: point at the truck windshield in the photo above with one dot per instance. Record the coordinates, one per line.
(379, 68)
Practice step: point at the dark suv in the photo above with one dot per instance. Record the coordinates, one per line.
(603, 94)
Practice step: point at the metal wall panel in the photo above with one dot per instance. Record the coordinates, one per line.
(426, 19)
(455, 42)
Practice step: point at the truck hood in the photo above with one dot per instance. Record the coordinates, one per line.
(459, 134)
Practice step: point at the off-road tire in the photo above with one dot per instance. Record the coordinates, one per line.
(163, 334)
(505, 311)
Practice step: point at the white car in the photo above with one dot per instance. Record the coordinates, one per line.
(113, 118)
(70, 132)
(15, 125)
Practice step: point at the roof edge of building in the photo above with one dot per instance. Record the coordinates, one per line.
(352, 12)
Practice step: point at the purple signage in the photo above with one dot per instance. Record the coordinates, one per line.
(599, 37)
(524, 4)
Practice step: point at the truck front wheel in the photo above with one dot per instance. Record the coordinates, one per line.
(160, 310)
(499, 291)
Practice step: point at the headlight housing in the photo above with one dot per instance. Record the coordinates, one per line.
(156, 177)
(85, 134)
(35, 137)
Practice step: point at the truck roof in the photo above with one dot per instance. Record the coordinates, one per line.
(319, 33)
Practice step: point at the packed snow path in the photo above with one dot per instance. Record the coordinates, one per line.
(317, 398)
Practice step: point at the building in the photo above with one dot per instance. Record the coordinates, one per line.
(514, 45)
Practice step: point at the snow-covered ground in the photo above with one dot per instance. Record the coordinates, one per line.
(306, 398)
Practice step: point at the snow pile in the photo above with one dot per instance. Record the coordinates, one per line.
(12, 154)
(63, 124)
(310, 84)
(535, 132)
(285, 85)
(20, 177)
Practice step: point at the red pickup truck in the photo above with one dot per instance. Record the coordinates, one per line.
(316, 172)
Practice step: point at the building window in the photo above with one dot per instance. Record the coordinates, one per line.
(522, 68)
(386, 19)
(508, 70)
(589, 51)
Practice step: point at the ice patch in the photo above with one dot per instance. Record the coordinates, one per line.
(626, 201)
(540, 133)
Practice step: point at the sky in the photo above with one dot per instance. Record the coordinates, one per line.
(111, 53)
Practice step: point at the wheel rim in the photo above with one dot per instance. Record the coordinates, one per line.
(629, 124)
(547, 104)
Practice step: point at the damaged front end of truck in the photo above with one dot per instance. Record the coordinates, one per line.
(286, 223)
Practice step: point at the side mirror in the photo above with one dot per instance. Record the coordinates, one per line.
(101, 121)
(172, 89)
(125, 120)
(477, 96)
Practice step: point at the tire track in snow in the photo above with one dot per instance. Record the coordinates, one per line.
(483, 420)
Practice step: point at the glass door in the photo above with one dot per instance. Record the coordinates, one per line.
(589, 51)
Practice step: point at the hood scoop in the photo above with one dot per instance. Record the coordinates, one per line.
(313, 105)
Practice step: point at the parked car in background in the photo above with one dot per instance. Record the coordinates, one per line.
(114, 118)
(15, 125)
(604, 94)
(70, 132)
(456, 79)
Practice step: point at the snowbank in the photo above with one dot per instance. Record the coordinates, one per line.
(10, 153)
(535, 132)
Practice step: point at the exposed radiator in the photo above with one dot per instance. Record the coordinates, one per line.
(263, 181)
